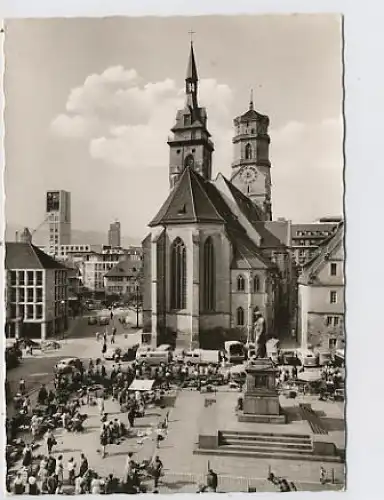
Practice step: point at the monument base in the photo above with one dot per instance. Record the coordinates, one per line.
(261, 419)
(261, 402)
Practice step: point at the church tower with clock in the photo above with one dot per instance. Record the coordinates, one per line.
(190, 145)
(251, 168)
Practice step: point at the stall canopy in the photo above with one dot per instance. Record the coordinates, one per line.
(309, 376)
(141, 385)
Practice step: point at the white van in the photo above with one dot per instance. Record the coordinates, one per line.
(306, 357)
(192, 357)
(154, 358)
(142, 351)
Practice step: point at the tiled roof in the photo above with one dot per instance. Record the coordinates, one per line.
(249, 209)
(250, 115)
(125, 268)
(273, 233)
(246, 254)
(28, 256)
(325, 251)
(195, 200)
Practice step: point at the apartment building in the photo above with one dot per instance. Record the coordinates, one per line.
(36, 292)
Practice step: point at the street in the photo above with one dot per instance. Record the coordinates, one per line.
(38, 369)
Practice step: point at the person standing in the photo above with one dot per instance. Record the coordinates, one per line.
(50, 440)
(212, 480)
(59, 473)
(71, 466)
(113, 335)
(103, 440)
(22, 386)
(83, 465)
(104, 348)
(157, 469)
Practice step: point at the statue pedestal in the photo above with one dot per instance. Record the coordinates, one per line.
(261, 399)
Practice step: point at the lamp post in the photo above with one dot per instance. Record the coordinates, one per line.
(137, 303)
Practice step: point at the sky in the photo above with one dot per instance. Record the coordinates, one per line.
(90, 104)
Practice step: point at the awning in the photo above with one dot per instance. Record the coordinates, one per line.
(237, 369)
(141, 385)
(309, 376)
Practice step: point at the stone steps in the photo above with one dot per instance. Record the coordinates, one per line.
(229, 452)
(266, 434)
(266, 448)
(275, 445)
(274, 438)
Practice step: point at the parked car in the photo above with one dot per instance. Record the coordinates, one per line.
(288, 357)
(92, 320)
(112, 352)
(68, 365)
(103, 321)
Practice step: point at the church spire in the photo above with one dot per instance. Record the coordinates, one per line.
(251, 101)
(191, 81)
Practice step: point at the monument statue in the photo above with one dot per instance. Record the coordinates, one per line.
(260, 336)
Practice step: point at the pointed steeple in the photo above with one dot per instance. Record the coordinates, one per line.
(191, 81)
(192, 69)
(251, 101)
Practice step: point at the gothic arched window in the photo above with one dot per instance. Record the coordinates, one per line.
(240, 283)
(240, 316)
(178, 275)
(256, 284)
(209, 275)
(248, 152)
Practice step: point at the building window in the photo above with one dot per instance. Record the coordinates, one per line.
(13, 277)
(29, 277)
(329, 321)
(39, 311)
(332, 343)
(39, 295)
(333, 297)
(13, 295)
(21, 294)
(209, 275)
(256, 284)
(29, 311)
(30, 294)
(240, 316)
(187, 119)
(178, 275)
(248, 152)
(21, 278)
(240, 283)
(336, 321)
(333, 269)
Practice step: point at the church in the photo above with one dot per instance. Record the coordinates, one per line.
(214, 257)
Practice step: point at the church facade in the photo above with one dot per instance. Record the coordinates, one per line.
(214, 257)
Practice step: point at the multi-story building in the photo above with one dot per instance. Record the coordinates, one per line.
(321, 295)
(94, 265)
(114, 234)
(58, 216)
(123, 278)
(307, 237)
(63, 252)
(37, 295)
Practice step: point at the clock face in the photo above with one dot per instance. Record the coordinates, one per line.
(248, 175)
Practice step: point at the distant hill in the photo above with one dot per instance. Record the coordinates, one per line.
(78, 237)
